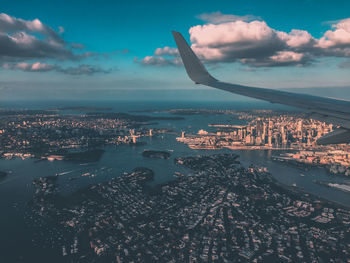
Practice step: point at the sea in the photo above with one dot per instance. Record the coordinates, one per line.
(16, 190)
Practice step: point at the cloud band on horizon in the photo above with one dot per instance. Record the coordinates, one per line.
(82, 69)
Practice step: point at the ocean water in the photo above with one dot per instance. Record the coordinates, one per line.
(17, 189)
(132, 105)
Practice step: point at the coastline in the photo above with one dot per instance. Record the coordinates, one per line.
(293, 162)
(313, 197)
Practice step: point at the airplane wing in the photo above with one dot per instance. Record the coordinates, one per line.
(334, 111)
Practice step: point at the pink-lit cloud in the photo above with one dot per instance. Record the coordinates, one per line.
(170, 51)
(159, 61)
(256, 44)
(82, 69)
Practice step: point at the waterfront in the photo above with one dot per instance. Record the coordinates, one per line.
(17, 189)
(219, 212)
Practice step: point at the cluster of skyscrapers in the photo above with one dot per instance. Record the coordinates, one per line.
(283, 131)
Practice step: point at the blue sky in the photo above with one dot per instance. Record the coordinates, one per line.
(120, 34)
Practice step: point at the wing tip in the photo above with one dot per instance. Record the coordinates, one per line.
(195, 69)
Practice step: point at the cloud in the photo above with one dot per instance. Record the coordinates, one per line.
(337, 38)
(159, 61)
(231, 41)
(35, 67)
(256, 44)
(61, 30)
(169, 51)
(165, 56)
(77, 45)
(281, 58)
(12, 24)
(218, 18)
(31, 39)
(84, 70)
(26, 39)
(297, 38)
(252, 43)
(44, 67)
(287, 56)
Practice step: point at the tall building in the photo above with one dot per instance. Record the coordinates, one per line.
(259, 128)
(134, 139)
(269, 134)
(263, 135)
(300, 130)
(248, 139)
(240, 134)
(283, 135)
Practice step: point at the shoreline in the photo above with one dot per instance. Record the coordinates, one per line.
(298, 190)
(293, 162)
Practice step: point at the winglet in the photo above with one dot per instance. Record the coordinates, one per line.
(194, 68)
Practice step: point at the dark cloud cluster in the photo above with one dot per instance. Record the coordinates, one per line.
(19, 40)
(84, 70)
(250, 41)
(24, 41)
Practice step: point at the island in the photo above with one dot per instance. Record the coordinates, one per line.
(156, 154)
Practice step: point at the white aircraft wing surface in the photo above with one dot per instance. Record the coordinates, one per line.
(330, 110)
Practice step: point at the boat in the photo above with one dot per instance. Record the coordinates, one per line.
(63, 173)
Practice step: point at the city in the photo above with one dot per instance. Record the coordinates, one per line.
(272, 131)
(275, 131)
(217, 212)
(174, 132)
(53, 135)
